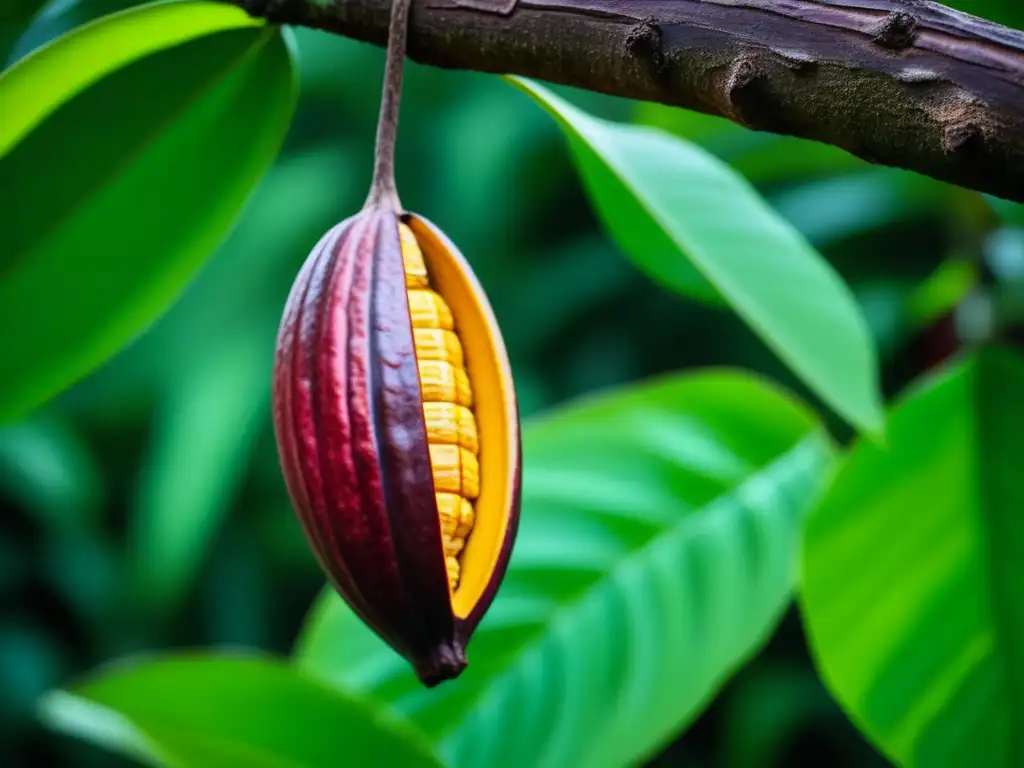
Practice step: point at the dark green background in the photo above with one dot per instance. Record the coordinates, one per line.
(481, 160)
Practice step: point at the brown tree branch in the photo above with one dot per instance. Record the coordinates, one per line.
(905, 83)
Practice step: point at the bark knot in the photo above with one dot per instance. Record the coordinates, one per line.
(964, 137)
(644, 41)
(965, 126)
(744, 87)
(898, 30)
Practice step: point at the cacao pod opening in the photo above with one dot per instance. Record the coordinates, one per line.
(355, 429)
(488, 543)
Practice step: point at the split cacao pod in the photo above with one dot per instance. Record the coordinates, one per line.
(398, 432)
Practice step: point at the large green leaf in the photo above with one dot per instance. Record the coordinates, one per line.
(240, 290)
(676, 210)
(912, 577)
(655, 555)
(231, 712)
(58, 17)
(202, 441)
(99, 241)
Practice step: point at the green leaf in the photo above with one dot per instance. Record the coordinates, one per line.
(620, 182)
(911, 573)
(242, 286)
(230, 712)
(98, 243)
(58, 17)
(673, 207)
(655, 556)
(204, 433)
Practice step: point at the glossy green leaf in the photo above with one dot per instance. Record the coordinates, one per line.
(655, 556)
(58, 17)
(610, 159)
(70, 65)
(912, 577)
(241, 289)
(201, 442)
(98, 243)
(674, 207)
(230, 712)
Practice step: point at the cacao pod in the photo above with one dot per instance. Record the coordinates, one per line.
(398, 432)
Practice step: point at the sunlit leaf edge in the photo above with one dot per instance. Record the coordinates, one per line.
(961, 364)
(867, 416)
(165, 23)
(139, 313)
(71, 711)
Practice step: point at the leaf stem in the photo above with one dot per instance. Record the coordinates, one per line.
(383, 191)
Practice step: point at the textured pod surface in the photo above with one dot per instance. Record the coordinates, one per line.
(353, 408)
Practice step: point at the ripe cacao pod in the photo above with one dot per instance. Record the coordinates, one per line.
(398, 432)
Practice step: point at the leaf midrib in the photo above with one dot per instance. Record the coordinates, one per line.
(578, 602)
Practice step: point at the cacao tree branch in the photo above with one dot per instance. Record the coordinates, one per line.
(905, 83)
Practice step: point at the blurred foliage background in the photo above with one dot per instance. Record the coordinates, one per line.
(144, 509)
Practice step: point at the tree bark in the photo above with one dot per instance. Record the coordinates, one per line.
(905, 83)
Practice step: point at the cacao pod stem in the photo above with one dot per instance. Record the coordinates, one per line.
(383, 190)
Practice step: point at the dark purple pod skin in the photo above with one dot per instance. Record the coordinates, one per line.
(348, 418)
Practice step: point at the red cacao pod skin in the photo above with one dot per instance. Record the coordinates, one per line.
(348, 418)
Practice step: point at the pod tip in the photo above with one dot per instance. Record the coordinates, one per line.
(444, 662)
